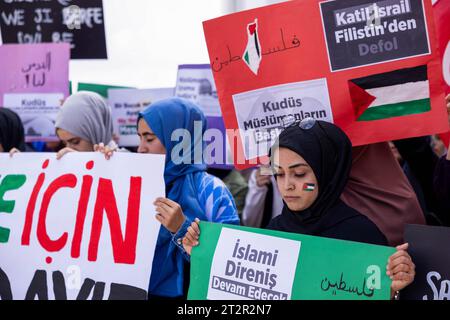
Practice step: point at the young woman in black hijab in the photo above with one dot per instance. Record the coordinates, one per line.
(311, 162)
(11, 131)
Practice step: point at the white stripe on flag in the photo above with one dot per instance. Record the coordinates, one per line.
(399, 93)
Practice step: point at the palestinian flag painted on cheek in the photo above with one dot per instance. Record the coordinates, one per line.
(397, 93)
(252, 54)
(309, 187)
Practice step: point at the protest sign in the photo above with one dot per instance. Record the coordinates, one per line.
(77, 22)
(82, 224)
(428, 247)
(233, 262)
(34, 83)
(101, 89)
(370, 67)
(126, 105)
(195, 82)
(441, 10)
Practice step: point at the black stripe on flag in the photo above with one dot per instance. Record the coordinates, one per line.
(392, 78)
(257, 44)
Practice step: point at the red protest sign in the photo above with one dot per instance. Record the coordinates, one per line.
(441, 10)
(371, 67)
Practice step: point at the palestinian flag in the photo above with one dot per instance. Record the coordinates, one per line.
(394, 94)
(252, 54)
(309, 186)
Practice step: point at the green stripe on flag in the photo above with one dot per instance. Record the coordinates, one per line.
(396, 110)
(246, 57)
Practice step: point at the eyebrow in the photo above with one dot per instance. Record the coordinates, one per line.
(145, 134)
(298, 165)
(292, 166)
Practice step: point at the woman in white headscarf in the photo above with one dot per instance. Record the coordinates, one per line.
(84, 121)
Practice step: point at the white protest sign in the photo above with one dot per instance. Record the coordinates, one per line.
(260, 112)
(126, 105)
(78, 228)
(252, 266)
(196, 83)
(37, 111)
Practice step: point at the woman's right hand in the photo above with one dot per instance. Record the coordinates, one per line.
(13, 151)
(400, 268)
(107, 151)
(63, 151)
(190, 239)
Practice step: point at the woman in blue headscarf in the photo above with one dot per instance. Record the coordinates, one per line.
(191, 193)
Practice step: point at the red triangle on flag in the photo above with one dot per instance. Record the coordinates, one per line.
(252, 28)
(361, 99)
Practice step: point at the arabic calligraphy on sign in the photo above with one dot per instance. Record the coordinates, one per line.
(218, 64)
(341, 285)
(35, 73)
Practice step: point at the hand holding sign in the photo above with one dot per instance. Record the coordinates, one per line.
(400, 268)
(106, 150)
(169, 214)
(190, 240)
(63, 152)
(13, 151)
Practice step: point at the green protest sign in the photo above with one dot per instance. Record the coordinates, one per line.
(233, 262)
(101, 89)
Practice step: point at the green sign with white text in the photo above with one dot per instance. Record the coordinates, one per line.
(234, 263)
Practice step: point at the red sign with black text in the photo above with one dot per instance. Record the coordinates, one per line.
(371, 67)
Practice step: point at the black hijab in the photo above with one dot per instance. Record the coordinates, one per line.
(328, 151)
(11, 130)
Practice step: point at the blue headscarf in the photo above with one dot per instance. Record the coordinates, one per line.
(163, 118)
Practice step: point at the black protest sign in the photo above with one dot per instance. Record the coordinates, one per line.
(78, 22)
(429, 250)
(365, 32)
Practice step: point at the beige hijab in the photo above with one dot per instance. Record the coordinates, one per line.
(379, 189)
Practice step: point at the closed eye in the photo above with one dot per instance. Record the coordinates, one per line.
(73, 142)
(276, 175)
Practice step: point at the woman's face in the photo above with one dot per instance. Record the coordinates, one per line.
(148, 141)
(296, 180)
(74, 142)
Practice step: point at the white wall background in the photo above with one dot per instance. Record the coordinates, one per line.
(148, 39)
